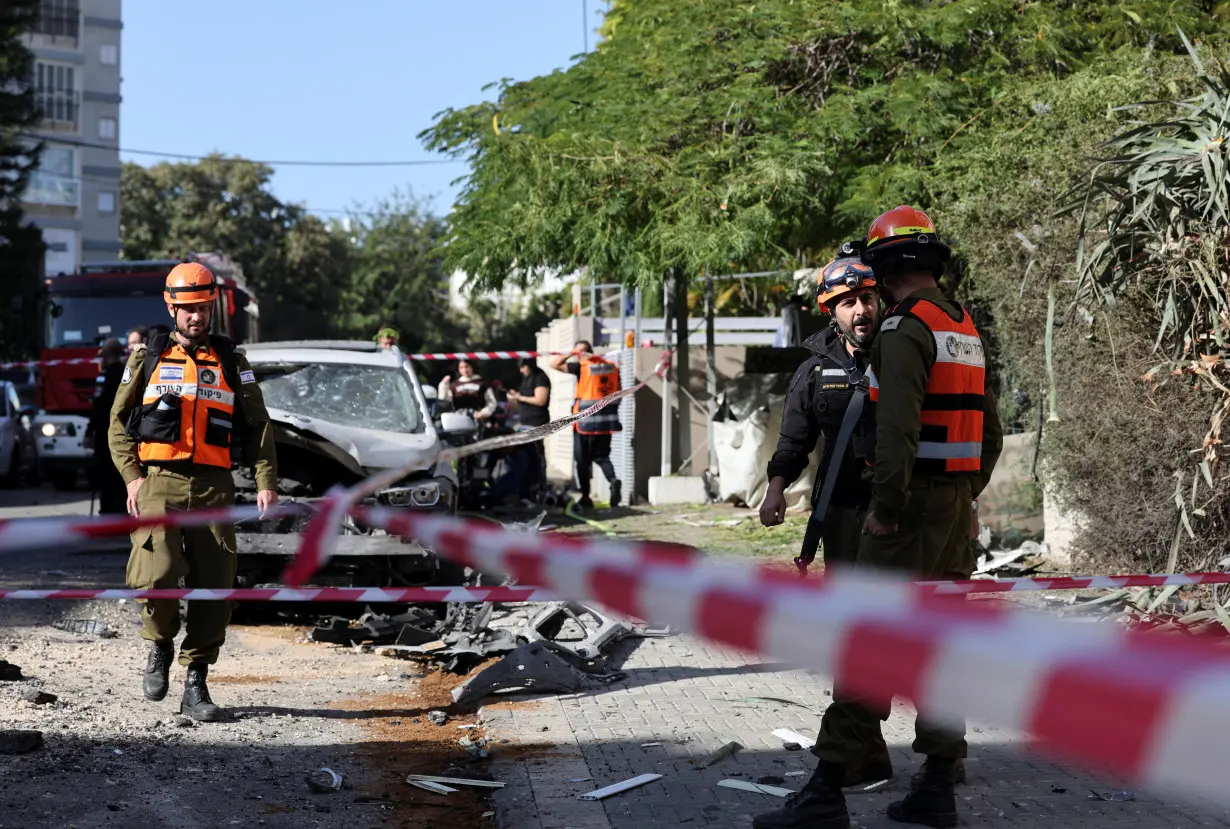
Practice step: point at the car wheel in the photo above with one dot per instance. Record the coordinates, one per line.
(64, 479)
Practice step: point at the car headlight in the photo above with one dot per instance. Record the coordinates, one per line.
(424, 495)
(51, 430)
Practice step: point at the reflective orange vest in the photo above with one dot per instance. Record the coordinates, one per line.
(188, 409)
(950, 439)
(598, 378)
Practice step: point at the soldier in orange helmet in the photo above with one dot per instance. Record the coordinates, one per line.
(186, 400)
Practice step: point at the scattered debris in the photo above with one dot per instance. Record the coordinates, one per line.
(437, 717)
(323, 781)
(787, 736)
(771, 780)
(791, 747)
(779, 700)
(9, 672)
(37, 696)
(796, 773)
(600, 633)
(184, 722)
(743, 785)
(431, 786)
(580, 780)
(20, 742)
(726, 522)
(1113, 797)
(538, 666)
(455, 781)
(1059, 790)
(618, 788)
(650, 745)
(720, 754)
(88, 627)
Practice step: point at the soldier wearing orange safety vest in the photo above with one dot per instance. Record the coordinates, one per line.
(937, 440)
(591, 436)
(186, 400)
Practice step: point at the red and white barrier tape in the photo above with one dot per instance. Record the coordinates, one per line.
(485, 355)
(1153, 710)
(34, 533)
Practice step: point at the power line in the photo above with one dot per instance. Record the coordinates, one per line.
(423, 162)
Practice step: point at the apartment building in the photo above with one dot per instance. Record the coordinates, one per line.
(74, 196)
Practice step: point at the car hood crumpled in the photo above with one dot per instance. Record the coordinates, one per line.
(370, 449)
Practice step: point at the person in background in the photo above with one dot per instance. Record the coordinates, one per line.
(468, 391)
(532, 400)
(112, 494)
(137, 335)
(387, 338)
(591, 436)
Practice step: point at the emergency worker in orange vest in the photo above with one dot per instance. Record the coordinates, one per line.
(591, 436)
(937, 440)
(186, 400)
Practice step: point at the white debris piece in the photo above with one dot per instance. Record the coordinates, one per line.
(760, 788)
(788, 736)
(617, 788)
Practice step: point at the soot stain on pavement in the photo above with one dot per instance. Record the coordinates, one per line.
(402, 740)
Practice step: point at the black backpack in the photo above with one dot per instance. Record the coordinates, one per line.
(225, 350)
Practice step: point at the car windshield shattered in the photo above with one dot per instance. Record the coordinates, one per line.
(368, 397)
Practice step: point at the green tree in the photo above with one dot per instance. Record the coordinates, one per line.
(397, 278)
(21, 246)
(711, 135)
(297, 264)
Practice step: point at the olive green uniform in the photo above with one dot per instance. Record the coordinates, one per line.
(203, 557)
(932, 514)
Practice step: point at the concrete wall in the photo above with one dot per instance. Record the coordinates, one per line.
(1010, 499)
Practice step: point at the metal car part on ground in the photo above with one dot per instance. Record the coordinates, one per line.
(537, 666)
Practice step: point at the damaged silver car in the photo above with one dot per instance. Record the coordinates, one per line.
(341, 412)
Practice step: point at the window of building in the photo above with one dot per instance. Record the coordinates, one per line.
(106, 201)
(55, 92)
(55, 181)
(58, 18)
(61, 256)
(108, 128)
(109, 54)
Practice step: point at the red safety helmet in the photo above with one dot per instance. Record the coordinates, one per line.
(905, 234)
(189, 283)
(840, 277)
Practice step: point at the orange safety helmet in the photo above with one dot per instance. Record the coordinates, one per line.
(905, 233)
(839, 277)
(189, 283)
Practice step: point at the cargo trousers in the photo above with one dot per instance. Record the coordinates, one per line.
(931, 542)
(200, 557)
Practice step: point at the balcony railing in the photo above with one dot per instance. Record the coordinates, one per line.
(53, 189)
(59, 18)
(58, 107)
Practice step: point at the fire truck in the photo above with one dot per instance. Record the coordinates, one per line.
(107, 300)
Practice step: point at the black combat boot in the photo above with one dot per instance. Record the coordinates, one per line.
(820, 805)
(196, 702)
(875, 766)
(959, 779)
(616, 490)
(157, 671)
(933, 802)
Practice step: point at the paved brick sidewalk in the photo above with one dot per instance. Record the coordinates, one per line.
(692, 697)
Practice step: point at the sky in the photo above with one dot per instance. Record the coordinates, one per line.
(319, 80)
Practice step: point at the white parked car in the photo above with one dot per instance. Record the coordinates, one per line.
(342, 411)
(18, 454)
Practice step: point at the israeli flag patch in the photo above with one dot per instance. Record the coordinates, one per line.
(171, 374)
(247, 377)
